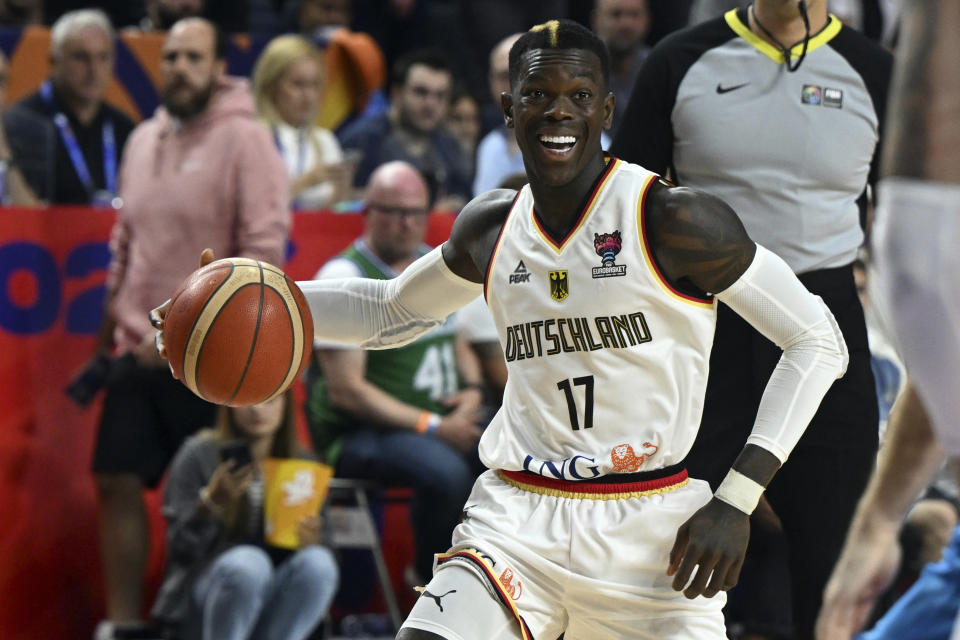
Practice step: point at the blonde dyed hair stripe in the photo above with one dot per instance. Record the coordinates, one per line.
(553, 26)
(245, 271)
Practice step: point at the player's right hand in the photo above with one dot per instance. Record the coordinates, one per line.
(158, 314)
(867, 565)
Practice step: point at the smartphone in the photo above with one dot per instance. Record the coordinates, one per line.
(238, 451)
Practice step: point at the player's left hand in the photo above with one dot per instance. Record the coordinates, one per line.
(713, 542)
(157, 315)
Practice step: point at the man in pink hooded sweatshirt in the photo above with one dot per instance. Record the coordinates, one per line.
(202, 172)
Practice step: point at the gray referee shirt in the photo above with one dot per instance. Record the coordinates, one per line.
(791, 152)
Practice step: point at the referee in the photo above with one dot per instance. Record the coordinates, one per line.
(777, 109)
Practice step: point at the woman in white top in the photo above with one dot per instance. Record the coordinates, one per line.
(288, 88)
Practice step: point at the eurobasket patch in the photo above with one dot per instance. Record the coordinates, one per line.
(608, 246)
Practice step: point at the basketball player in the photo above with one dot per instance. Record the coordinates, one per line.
(918, 232)
(599, 278)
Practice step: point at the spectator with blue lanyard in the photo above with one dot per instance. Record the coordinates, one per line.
(90, 132)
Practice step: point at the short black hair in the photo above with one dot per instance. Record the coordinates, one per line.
(559, 34)
(430, 58)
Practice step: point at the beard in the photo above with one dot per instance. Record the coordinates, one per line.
(419, 126)
(186, 109)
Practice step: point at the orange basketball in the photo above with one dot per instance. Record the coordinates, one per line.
(238, 332)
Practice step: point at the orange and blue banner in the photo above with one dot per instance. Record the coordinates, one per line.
(355, 69)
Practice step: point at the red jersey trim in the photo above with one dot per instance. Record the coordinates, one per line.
(605, 178)
(496, 247)
(648, 252)
(593, 490)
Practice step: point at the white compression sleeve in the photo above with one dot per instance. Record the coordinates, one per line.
(379, 314)
(770, 297)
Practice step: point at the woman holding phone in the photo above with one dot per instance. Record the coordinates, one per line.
(223, 579)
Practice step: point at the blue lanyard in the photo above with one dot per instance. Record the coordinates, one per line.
(73, 148)
(301, 149)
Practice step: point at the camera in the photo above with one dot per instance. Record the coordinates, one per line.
(91, 379)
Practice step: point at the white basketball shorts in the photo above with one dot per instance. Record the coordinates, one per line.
(588, 560)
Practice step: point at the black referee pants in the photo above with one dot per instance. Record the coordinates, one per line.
(817, 489)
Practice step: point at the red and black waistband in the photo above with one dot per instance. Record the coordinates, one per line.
(611, 487)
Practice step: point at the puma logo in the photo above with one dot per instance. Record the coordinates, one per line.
(438, 598)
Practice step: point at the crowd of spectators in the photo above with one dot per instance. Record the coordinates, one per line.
(438, 107)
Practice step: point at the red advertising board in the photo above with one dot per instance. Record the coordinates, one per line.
(52, 272)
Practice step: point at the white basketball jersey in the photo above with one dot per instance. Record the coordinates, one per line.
(607, 362)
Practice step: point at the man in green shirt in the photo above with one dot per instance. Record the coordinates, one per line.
(405, 416)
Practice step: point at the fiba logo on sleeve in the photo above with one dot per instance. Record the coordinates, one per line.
(608, 246)
(813, 95)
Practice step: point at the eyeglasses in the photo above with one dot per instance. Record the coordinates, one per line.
(414, 212)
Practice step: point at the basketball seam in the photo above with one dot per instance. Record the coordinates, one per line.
(253, 342)
(293, 346)
(195, 386)
(193, 327)
(297, 334)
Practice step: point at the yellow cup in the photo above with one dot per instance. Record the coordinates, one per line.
(293, 490)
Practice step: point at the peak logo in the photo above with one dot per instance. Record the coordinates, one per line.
(520, 274)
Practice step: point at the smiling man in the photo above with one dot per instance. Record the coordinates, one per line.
(586, 523)
(587, 510)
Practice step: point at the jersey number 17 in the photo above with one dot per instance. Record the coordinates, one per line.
(587, 383)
